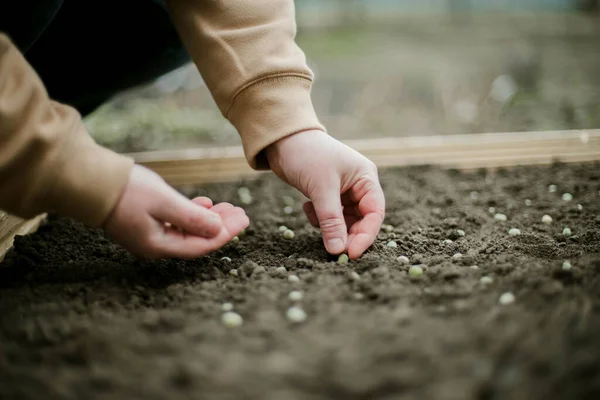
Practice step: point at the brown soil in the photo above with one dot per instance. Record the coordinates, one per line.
(81, 319)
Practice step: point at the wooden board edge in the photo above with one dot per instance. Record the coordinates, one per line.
(25, 227)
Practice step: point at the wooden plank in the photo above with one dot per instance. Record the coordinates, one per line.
(15, 227)
(483, 150)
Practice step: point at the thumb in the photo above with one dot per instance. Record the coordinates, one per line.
(329, 211)
(190, 217)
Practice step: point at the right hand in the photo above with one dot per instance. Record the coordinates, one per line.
(152, 220)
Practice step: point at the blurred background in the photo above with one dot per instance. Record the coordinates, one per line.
(401, 68)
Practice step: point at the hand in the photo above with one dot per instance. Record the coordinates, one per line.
(152, 220)
(346, 199)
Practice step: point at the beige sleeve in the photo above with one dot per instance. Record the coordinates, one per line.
(48, 161)
(248, 57)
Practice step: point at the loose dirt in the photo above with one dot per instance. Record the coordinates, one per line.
(82, 319)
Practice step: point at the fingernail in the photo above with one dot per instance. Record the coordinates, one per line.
(335, 245)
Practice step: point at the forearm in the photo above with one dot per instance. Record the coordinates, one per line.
(258, 76)
(48, 162)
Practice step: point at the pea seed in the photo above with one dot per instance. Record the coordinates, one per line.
(343, 259)
(403, 260)
(492, 210)
(293, 278)
(296, 314)
(288, 210)
(460, 232)
(295, 295)
(289, 234)
(415, 271)
(226, 306)
(288, 201)
(579, 207)
(567, 197)
(233, 272)
(391, 244)
(528, 202)
(457, 257)
(474, 195)
(281, 270)
(566, 265)
(506, 298)
(500, 217)
(283, 228)
(232, 320)
(486, 280)
(546, 219)
(566, 232)
(514, 231)
(226, 259)
(353, 275)
(552, 188)
(235, 239)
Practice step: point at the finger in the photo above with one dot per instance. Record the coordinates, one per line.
(311, 214)
(189, 216)
(221, 207)
(372, 207)
(203, 201)
(328, 207)
(351, 221)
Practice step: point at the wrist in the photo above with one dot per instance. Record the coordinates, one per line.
(290, 141)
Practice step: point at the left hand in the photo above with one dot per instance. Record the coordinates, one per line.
(346, 199)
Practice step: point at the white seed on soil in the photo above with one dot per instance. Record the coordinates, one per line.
(235, 239)
(289, 234)
(283, 228)
(232, 319)
(233, 272)
(403, 260)
(460, 232)
(506, 298)
(281, 270)
(500, 217)
(552, 188)
(486, 280)
(358, 296)
(474, 267)
(566, 265)
(388, 228)
(288, 210)
(447, 241)
(295, 295)
(226, 259)
(391, 244)
(245, 195)
(457, 257)
(226, 306)
(567, 197)
(579, 207)
(415, 271)
(288, 201)
(514, 232)
(492, 210)
(296, 314)
(474, 195)
(528, 202)
(567, 232)
(343, 259)
(353, 275)
(293, 278)
(546, 219)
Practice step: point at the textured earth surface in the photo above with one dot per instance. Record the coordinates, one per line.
(82, 319)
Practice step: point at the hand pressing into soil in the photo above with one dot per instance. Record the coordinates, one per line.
(152, 220)
(346, 199)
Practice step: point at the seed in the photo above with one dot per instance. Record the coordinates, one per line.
(226, 306)
(567, 197)
(353, 275)
(293, 278)
(233, 272)
(295, 295)
(288, 210)
(506, 298)
(528, 202)
(474, 195)
(281, 270)
(283, 228)
(567, 232)
(474, 267)
(296, 314)
(514, 232)
(486, 280)
(552, 188)
(245, 195)
(235, 239)
(403, 260)
(358, 296)
(579, 207)
(288, 234)
(231, 319)
(492, 210)
(447, 241)
(566, 265)
(415, 271)
(460, 232)
(288, 201)
(500, 217)
(391, 244)
(343, 259)
(226, 259)
(546, 219)
(456, 256)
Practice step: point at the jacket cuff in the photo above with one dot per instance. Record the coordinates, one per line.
(269, 110)
(89, 180)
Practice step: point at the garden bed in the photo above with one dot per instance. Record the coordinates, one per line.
(81, 318)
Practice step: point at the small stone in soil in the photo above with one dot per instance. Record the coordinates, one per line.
(546, 219)
(474, 195)
(492, 210)
(566, 265)
(579, 207)
(281, 270)
(474, 267)
(296, 314)
(289, 234)
(283, 228)
(391, 244)
(403, 260)
(460, 232)
(233, 272)
(457, 257)
(293, 278)
(232, 319)
(447, 241)
(514, 232)
(486, 280)
(288, 210)
(295, 295)
(226, 306)
(552, 188)
(358, 296)
(567, 232)
(235, 239)
(415, 271)
(567, 197)
(353, 275)
(506, 298)
(500, 217)
(528, 202)
(259, 270)
(343, 259)
(226, 259)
